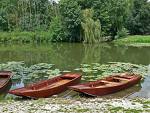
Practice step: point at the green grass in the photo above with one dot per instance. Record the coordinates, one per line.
(25, 37)
(135, 39)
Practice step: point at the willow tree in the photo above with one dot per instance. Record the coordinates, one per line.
(91, 28)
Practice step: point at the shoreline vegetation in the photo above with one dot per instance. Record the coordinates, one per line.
(43, 36)
(134, 40)
(25, 37)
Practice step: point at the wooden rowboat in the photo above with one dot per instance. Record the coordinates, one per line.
(107, 85)
(48, 87)
(5, 77)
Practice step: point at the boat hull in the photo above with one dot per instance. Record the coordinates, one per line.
(100, 91)
(45, 92)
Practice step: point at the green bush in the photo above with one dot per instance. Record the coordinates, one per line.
(122, 33)
(56, 30)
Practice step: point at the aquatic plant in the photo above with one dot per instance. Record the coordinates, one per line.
(90, 72)
(31, 73)
(95, 70)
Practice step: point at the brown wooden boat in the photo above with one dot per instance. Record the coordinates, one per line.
(5, 77)
(48, 87)
(107, 85)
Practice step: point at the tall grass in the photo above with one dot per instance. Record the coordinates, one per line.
(25, 37)
(135, 39)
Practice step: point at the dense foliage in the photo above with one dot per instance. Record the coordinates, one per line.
(64, 20)
(139, 20)
(70, 13)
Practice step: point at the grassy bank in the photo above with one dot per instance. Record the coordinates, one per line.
(42, 36)
(25, 37)
(136, 40)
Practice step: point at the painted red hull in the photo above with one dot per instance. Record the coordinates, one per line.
(107, 85)
(5, 77)
(49, 87)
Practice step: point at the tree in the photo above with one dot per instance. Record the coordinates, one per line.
(111, 13)
(102, 12)
(119, 12)
(139, 20)
(26, 15)
(57, 32)
(91, 28)
(34, 14)
(8, 14)
(70, 13)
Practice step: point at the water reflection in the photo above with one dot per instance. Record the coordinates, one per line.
(144, 92)
(70, 56)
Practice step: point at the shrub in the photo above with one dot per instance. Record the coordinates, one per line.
(122, 33)
(57, 33)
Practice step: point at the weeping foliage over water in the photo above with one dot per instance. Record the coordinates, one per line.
(91, 28)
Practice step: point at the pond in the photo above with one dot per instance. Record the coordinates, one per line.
(69, 56)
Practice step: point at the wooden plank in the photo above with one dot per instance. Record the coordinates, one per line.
(121, 78)
(105, 81)
(56, 84)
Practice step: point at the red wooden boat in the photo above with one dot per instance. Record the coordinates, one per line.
(48, 87)
(107, 85)
(5, 77)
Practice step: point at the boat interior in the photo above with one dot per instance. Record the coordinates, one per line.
(51, 83)
(3, 80)
(109, 81)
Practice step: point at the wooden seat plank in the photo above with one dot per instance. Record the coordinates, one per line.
(121, 78)
(56, 84)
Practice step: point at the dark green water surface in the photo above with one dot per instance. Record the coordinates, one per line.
(69, 56)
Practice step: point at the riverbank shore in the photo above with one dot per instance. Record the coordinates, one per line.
(135, 40)
(43, 36)
(83, 105)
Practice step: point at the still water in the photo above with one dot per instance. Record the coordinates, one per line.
(69, 56)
